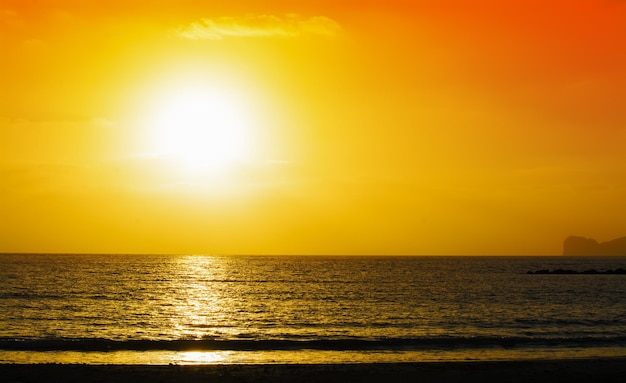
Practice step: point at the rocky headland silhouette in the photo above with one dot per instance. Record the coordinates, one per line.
(581, 246)
(574, 245)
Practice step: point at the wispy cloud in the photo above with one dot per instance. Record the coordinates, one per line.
(259, 26)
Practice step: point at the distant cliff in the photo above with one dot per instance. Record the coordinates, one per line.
(587, 246)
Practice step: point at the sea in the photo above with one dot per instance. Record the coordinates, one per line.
(200, 309)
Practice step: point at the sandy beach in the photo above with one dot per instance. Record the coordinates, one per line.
(587, 370)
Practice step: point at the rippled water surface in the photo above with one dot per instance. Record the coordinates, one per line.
(146, 303)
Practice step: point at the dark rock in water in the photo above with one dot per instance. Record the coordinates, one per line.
(574, 245)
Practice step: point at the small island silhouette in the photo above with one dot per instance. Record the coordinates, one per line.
(580, 246)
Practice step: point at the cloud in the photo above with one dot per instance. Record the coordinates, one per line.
(259, 26)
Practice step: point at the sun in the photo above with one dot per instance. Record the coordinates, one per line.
(201, 128)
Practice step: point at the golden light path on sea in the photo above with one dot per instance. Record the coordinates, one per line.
(302, 356)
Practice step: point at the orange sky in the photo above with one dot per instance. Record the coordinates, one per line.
(311, 127)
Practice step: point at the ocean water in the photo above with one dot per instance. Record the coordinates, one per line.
(158, 309)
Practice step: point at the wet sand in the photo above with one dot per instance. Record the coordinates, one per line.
(586, 370)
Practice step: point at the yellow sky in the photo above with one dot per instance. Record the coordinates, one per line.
(311, 127)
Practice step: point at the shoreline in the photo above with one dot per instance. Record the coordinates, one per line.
(547, 370)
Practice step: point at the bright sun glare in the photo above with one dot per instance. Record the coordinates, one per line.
(200, 128)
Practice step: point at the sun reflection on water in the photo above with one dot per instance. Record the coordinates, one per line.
(303, 356)
(198, 304)
(203, 357)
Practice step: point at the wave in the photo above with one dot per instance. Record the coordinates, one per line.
(561, 323)
(346, 344)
